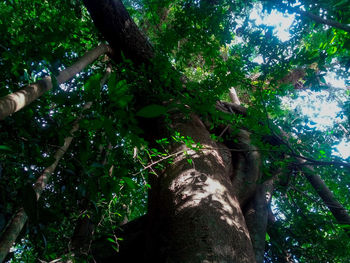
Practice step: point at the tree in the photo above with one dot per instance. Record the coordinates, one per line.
(162, 122)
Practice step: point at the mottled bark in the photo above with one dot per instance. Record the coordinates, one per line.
(16, 101)
(195, 215)
(233, 96)
(11, 232)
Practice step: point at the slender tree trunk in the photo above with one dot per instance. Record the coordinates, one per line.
(337, 209)
(12, 231)
(16, 101)
(256, 217)
(84, 229)
(339, 212)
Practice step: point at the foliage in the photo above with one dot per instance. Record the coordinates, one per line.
(211, 45)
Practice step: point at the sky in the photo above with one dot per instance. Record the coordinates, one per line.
(323, 115)
(280, 21)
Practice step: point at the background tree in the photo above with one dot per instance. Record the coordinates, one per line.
(163, 121)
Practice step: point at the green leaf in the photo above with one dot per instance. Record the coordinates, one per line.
(115, 248)
(111, 240)
(5, 148)
(267, 237)
(129, 182)
(152, 111)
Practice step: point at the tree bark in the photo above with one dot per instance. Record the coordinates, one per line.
(339, 212)
(194, 213)
(256, 217)
(114, 22)
(16, 101)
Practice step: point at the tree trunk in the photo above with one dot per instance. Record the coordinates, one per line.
(194, 213)
(337, 209)
(256, 217)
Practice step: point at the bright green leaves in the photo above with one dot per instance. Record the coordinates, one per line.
(188, 141)
(152, 111)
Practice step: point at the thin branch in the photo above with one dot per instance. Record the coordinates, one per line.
(158, 161)
(14, 102)
(317, 162)
(12, 231)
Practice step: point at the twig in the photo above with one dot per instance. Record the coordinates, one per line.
(158, 161)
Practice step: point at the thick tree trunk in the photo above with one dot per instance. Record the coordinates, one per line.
(114, 22)
(194, 213)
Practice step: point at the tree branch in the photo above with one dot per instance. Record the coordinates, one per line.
(317, 162)
(16, 101)
(11, 233)
(319, 19)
